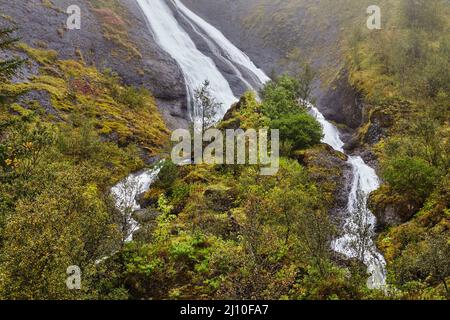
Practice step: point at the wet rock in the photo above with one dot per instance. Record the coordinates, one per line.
(370, 158)
(229, 16)
(352, 143)
(379, 123)
(341, 103)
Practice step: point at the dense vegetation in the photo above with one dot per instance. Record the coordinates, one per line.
(203, 234)
(402, 73)
(228, 232)
(69, 132)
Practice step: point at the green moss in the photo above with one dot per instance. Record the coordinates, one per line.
(114, 17)
(16, 108)
(44, 57)
(74, 88)
(50, 5)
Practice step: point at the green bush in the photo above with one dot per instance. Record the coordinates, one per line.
(167, 176)
(133, 97)
(411, 175)
(299, 130)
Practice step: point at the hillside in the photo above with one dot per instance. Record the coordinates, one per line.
(358, 208)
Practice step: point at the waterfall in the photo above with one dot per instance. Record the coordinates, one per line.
(359, 224)
(196, 66)
(359, 227)
(230, 51)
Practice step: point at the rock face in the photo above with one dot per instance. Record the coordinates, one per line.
(229, 16)
(44, 25)
(341, 103)
(391, 209)
(156, 70)
(330, 169)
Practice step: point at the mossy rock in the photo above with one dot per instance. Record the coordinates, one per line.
(391, 209)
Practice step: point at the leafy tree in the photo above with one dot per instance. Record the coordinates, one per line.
(55, 195)
(301, 71)
(208, 107)
(280, 97)
(305, 78)
(167, 176)
(282, 105)
(427, 261)
(430, 140)
(67, 224)
(289, 215)
(422, 14)
(26, 148)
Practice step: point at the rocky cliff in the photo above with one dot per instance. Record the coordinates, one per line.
(115, 37)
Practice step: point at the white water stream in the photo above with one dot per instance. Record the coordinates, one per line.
(126, 193)
(359, 225)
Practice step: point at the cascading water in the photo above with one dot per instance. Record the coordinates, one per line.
(125, 194)
(230, 51)
(196, 68)
(195, 65)
(359, 225)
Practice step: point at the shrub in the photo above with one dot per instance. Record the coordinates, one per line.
(167, 176)
(133, 97)
(411, 175)
(299, 130)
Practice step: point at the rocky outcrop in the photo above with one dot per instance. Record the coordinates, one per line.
(391, 209)
(329, 169)
(341, 103)
(139, 61)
